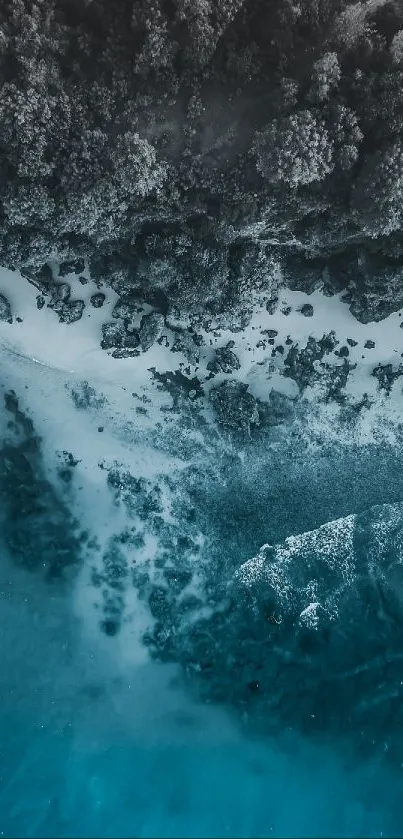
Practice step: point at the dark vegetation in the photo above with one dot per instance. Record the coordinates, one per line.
(190, 146)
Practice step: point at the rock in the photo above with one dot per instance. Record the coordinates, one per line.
(375, 287)
(369, 345)
(351, 342)
(97, 300)
(71, 311)
(271, 305)
(5, 309)
(225, 361)
(112, 335)
(60, 294)
(386, 376)
(40, 301)
(159, 603)
(178, 385)
(278, 410)
(234, 406)
(299, 364)
(337, 376)
(343, 352)
(127, 308)
(307, 310)
(125, 352)
(313, 627)
(68, 310)
(150, 330)
(73, 266)
(185, 343)
(115, 336)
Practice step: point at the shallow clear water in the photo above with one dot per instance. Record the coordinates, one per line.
(95, 740)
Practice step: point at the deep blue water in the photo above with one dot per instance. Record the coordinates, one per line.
(86, 750)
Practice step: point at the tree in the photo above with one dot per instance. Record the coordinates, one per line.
(295, 150)
(377, 196)
(325, 77)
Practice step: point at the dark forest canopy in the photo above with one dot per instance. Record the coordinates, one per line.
(191, 145)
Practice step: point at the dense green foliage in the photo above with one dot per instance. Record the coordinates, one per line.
(165, 139)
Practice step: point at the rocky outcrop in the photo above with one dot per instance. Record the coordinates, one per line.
(308, 634)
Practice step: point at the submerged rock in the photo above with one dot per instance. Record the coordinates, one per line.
(387, 375)
(5, 309)
(234, 406)
(38, 529)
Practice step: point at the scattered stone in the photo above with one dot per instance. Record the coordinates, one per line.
(70, 460)
(97, 300)
(271, 305)
(307, 310)
(5, 309)
(100, 429)
(386, 376)
(150, 330)
(71, 311)
(83, 280)
(84, 396)
(287, 310)
(271, 333)
(73, 266)
(225, 361)
(68, 310)
(369, 345)
(234, 406)
(336, 381)
(299, 364)
(179, 385)
(125, 353)
(19, 320)
(351, 342)
(40, 301)
(343, 352)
